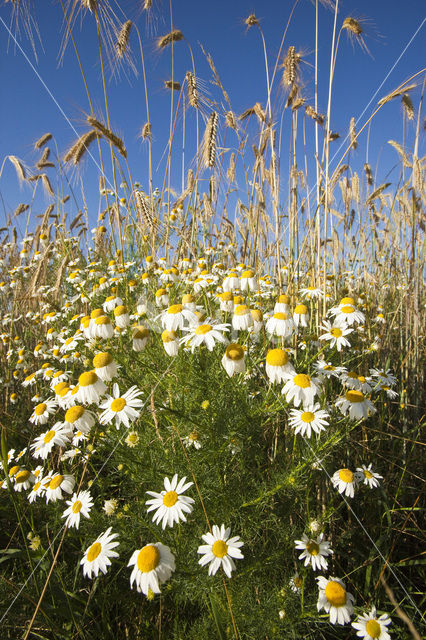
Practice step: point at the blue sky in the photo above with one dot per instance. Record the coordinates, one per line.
(27, 110)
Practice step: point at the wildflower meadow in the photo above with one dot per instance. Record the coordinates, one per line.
(211, 353)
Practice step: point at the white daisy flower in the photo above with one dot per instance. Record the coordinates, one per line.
(370, 627)
(111, 302)
(110, 506)
(78, 418)
(278, 365)
(37, 490)
(121, 315)
(233, 359)
(352, 380)
(356, 404)
(121, 409)
(296, 583)
(314, 551)
(345, 481)
(300, 388)
(23, 480)
(90, 388)
(335, 600)
(348, 315)
(192, 440)
(43, 411)
(231, 282)
(367, 476)
(97, 556)
(174, 317)
(105, 366)
(153, 565)
(248, 281)
(282, 304)
(220, 550)
(336, 335)
(170, 504)
(312, 418)
(101, 327)
(207, 334)
(56, 484)
(301, 316)
(170, 343)
(140, 335)
(327, 370)
(80, 504)
(385, 377)
(280, 324)
(311, 292)
(242, 319)
(44, 443)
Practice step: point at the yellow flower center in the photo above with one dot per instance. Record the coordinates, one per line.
(49, 435)
(336, 332)
(88, 378)
(307, 416)
(257, 315)
(120, 310)
(226, 296)
(347, 309)
(148, 558)
(241, 310)
(202, 329)
(22, 476)
(349, 301)
(40, 409)
(277, 357)
(102, 320)
(373, 629)
(76, 507)
(247, 274)
(346, 475)
(188, 297)
(361, 379)
(353, 375)
(220, 548)
(94, 551)
(14, 470)
(313, 548)
(301, 309)
(170, 498)
(175, 308)
(102, 360)
(118, 404)
(368, 474)
(74, 413)
(140, 333)
(283, 299)
(168, 336)
(280, 316)
(234, 352)
(302, 380)
(160, 292)
(37, 485)
(133, 437)
(335, 594)
(298, 582)
(56, 482)
(354, 396)
(96, 313)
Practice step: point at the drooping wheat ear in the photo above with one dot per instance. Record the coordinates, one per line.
(42, 141)
(230, 120)
(144, 209)
(192, 91)
(65, 199)
(147, 5)
(230, 174)
(210, 140)
(190, 180)
(251, 21)
(173, 36)
(76, 220)
(395, 94)
(407, 106)
(291, 66)
(108, 134)
(46, 215)
(123, 38)
(20, 209)
(259, 112)
(318, 117)
(400, 150)
(146, 131)
(333, 135)
(76, 152)
(368, 174)
(352, 133)
(90, 4)
(245, 114)
(46, 184)
(19, 168)
(355, 188)
(352, 25)
(171, 84)
(208, 209)
(43, 162)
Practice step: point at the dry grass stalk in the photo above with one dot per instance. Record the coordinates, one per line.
(368, 174)
(192, 91)
(20, 209)
(210, 140)
(171, 84)
(108, 134)
(146, 131)
(42, 141)
(407, 106)
(352, 133)
(76, 152)
(396, 93)
(230, 120)
(311, 113)
(19, 168)
(173, 36)
(123, 38)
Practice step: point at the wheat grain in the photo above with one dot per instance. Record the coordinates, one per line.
(395, 94)
(210, 140)
(46, 184)
(20, 209)
(76, 152)
(123, 38)
(146, 131)
(42, 141)
(173, 36)
(230, 120)
(192, 91)
(108, 134)
(352, 134)
(407, 106)
(368, 174)
(171, 84)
